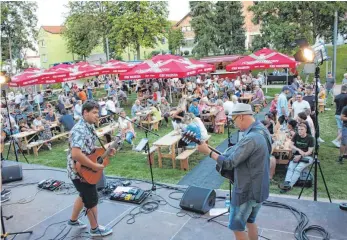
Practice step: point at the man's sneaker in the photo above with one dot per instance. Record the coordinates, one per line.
(336, 143)
(5, 198)
(5, 192)
(285, 186)
(320, 140)
(100, 231)
(77, 224)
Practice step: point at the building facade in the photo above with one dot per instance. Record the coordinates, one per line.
(53, 48)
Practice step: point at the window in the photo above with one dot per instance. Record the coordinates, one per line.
(189, 28)
(43, 43)
(163, 40)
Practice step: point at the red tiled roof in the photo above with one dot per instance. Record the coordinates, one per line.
(54, 29)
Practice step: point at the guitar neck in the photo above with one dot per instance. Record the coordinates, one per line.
(214, 150)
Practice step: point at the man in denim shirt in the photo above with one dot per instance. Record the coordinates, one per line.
(249, 159)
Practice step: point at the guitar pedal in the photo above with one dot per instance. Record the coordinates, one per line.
(128, 197)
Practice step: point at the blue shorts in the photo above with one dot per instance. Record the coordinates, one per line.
(338, 121)
(243, 214)
(344, 136)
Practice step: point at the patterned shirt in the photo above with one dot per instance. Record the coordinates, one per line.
(80, 137)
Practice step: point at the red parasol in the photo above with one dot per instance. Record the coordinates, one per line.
(263, 59)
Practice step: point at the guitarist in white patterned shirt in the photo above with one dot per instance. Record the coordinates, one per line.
(82, 143)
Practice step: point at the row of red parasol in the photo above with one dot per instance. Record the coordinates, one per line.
(160, 66)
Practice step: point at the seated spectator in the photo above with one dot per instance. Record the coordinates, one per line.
(228, 105)
(67, 121)
(102, 108)
(37, 123)
(165, 109)
(51, 116)
(299, 105)
(23, 126)
(126, 129)
(269, 122)
(220, 116)
(82, 95)
(302, 147)
(193, 108)
(78, 110)
(302, 118)
(273, 107)
(291, 126)
(110, 106)
(46, 134)
(136, 108)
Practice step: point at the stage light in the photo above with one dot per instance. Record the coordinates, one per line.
(308, 54)
(2, 79)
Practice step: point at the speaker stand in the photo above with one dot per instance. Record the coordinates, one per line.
(5, 234)
(228, 211)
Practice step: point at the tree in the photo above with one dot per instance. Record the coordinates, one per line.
(203, 19)
(284, 22)
(258, 43)
(92, 16)
(229, 24)
(81, 34)
(176, 39)
(18, 28)
(139, 23)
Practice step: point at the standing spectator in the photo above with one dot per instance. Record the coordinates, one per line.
(329, 86)
(299, 105)
(340, 101)
(46, 134)
(273, 107)
(220, 116)
(343, 148)
(282, 104)
(78, 110)
(344, 80)
(82, 95)
(228, 105)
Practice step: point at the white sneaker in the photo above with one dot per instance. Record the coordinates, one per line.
(77, 224)
(101, 231)
(320, 140)
(336, 143)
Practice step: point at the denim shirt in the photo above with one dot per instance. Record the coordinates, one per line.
(250, 159)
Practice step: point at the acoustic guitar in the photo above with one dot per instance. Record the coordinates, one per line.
(190, 136)
(99, 155)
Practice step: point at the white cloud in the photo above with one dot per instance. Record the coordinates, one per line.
(178, 9)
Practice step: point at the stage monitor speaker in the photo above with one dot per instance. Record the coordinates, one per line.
(11, 171)
(199, 200)
(102, 183)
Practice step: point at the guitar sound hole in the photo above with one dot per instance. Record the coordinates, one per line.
(100, 160)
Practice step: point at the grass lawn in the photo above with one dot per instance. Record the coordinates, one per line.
(128, 163)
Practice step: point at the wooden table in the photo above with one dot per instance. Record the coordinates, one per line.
(246, 98)
(169, 140)
(32, 133)
(282, 147)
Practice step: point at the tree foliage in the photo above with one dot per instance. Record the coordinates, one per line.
(18, 28)
(176, 39)
(218, 27)
(230, 27)
(284, 22)
(138, 23)
(203, 19)
(81, 34)
(84, 17)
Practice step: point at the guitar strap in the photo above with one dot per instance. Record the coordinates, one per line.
(93, 133)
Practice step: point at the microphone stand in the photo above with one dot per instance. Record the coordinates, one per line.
(147, 148)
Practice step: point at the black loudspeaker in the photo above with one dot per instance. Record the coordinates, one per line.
(102, 183)
(197, 199)
(11, 171)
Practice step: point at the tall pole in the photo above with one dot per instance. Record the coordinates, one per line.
(335, 44)
(107, 50)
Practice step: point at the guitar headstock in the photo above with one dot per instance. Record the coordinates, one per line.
(189, 137)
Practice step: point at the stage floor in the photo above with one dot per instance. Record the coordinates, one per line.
(46, 208)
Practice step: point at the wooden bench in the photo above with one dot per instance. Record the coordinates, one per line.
(183, 157)
(37, 145)
(257, 107)
(154, 123)
(220, 126)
